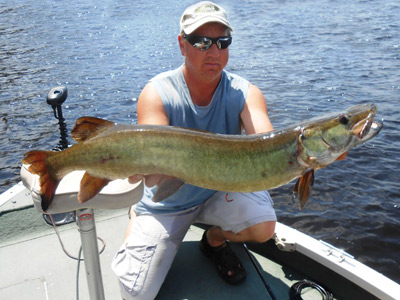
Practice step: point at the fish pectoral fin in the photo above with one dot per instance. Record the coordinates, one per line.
(167, 187)
(342, 156)
(303, 187)
(90, 187)
(88, 127)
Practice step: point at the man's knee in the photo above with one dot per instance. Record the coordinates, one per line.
(261, 232)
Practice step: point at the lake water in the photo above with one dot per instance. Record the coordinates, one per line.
(308, 58)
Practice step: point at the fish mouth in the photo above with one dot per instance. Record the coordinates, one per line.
(367, 128)
(373, 130)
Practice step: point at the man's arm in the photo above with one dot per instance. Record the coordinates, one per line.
(150, 110)
(255, 113)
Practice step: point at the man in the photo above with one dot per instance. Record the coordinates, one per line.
(201, 95)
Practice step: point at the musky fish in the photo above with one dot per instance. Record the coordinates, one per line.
(231, 163)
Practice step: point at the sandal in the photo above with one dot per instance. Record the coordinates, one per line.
(225, 260)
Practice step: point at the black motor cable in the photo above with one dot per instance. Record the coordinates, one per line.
(295, 290)
(269, 290)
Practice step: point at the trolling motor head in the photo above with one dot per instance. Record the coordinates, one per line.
(57, 96)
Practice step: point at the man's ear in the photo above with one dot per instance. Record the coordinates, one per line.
(181, 45)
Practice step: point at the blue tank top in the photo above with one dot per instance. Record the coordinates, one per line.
(222, 115)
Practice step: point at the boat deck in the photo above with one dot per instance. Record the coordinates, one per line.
(33, 263)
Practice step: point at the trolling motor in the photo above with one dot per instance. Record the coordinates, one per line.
(56, 97)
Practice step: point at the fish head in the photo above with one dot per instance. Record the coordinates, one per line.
(324, 140)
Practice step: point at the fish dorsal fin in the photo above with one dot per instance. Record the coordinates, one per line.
(90, 187)
(88, 127)
(303, 187)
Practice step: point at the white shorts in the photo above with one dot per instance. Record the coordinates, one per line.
(143, 261)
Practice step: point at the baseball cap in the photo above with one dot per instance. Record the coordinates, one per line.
(201, 13)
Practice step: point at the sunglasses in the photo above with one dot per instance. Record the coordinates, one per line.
(204, 43)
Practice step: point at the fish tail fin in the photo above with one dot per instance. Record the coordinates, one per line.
(48, 181)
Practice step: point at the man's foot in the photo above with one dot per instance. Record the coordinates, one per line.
(229, 266)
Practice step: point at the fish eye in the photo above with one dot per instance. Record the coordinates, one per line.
(343, 120)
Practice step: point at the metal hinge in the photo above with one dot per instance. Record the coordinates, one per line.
(284, 245)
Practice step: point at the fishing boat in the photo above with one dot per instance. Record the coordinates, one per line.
(46, 264)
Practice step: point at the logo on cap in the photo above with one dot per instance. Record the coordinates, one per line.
(207, 8)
